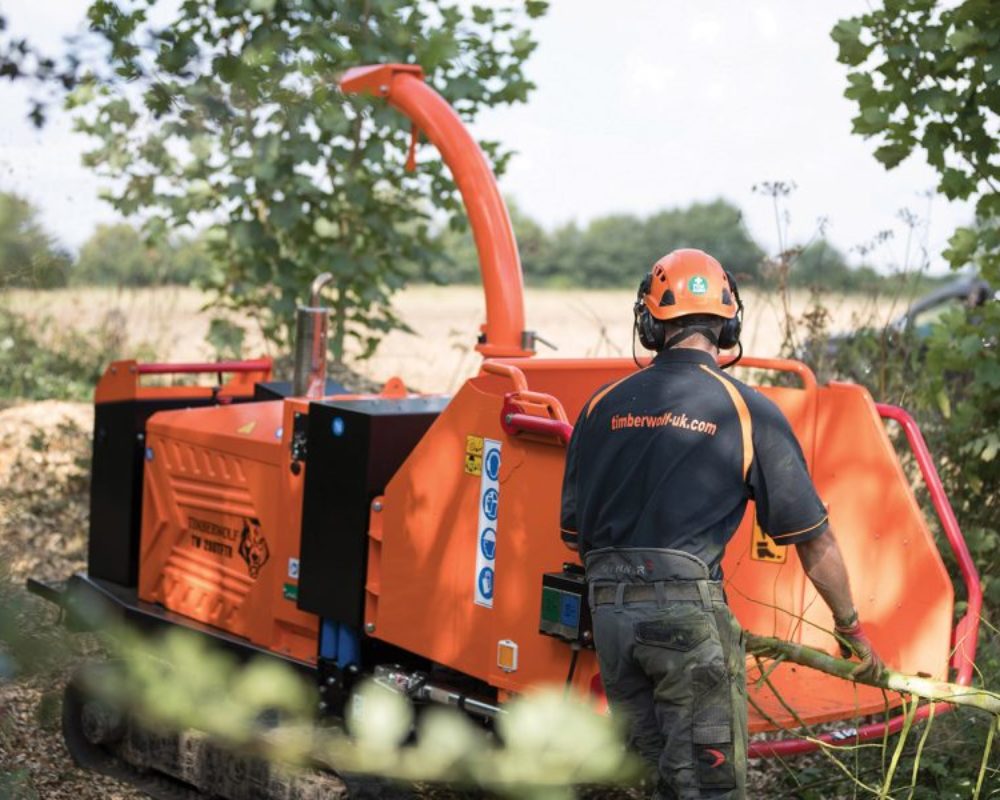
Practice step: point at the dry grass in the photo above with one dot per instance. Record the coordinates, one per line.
(172, 323)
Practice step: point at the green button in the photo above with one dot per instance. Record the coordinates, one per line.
(551, 604)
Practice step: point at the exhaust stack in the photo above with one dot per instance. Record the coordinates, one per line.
(311, 325)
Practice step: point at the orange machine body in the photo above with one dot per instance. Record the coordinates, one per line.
(221, 518)
(422, 568)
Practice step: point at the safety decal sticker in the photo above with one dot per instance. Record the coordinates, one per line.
(764, 548)
(697, 285)
(293, 568)
(473, 455)
(489, 507)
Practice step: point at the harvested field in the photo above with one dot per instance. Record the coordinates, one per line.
(171, 323)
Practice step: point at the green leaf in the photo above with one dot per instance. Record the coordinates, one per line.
(944, 403)
(956, 184)
(325, 229)
(892, 154)
(965, 38)
(847, 35)
(536, 8)
(861, 87)
(961, 246)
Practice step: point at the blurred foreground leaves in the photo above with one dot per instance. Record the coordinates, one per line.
(543, 745)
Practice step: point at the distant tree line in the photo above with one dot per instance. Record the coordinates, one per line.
(613, 250)
(609, 251)
(114, 255)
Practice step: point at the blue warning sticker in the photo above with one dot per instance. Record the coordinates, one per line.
(491, 499)
(486, 530)
(485, 582)
(488, 544)
(492, 464)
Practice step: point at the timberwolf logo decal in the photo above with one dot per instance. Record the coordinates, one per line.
(253, 546)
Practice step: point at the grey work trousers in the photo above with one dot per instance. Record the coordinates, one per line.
(674, 669)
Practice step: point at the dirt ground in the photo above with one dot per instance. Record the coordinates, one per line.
(171, 323)
(44, 459)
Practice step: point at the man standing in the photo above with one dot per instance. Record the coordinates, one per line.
(658, 474)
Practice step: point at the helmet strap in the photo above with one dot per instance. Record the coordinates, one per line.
(704, 330)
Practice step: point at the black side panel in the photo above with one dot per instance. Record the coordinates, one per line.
(353, 448)
(116, 485)
(278, 390)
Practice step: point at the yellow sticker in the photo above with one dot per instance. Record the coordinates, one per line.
(248, 428)
(473, 455)
(764, 548)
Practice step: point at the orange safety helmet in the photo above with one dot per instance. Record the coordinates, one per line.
(688, 282)
(684, 283)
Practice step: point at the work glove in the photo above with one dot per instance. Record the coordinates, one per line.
(853, 642)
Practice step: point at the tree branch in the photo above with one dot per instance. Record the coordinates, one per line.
(929, 688)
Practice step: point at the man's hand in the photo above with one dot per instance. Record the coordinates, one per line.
(853, 642)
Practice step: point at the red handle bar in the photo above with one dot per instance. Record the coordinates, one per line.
(258, 365)
(966, 631)
(517, 423)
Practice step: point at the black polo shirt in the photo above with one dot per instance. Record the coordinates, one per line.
(669, 457)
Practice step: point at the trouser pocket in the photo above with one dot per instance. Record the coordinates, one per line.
(669, 646)
(712, 727)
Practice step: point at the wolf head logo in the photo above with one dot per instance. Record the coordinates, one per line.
(253, 546)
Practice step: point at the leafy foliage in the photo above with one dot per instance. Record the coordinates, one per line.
(29, 255)
(230, 114)
(926, 78)
(21, 60)
(39, 360)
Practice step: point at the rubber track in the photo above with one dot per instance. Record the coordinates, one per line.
(95, 758)
(161, 786)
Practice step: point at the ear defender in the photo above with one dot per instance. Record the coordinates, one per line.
(729, 336)
(650, 330)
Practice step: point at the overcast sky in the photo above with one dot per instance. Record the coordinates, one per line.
(640, 105)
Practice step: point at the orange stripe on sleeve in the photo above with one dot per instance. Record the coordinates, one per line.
(746, 426)
(777, 536)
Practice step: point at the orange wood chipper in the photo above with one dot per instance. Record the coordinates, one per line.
(416, 538)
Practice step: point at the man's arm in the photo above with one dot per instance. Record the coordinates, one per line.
(823, 563)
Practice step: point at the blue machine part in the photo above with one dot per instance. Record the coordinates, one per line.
(348, 646)
(329, 639)
(339, 643)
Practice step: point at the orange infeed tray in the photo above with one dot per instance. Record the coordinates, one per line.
(807, 695)
(221, 520)
(425, 592)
